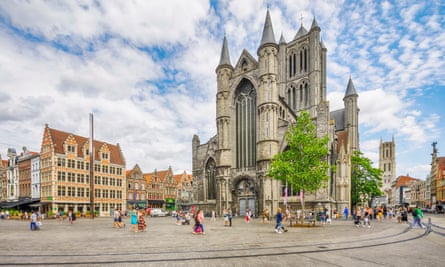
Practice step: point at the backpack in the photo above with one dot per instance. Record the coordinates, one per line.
(414, 212)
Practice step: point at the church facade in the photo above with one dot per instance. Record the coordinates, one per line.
(257, 99)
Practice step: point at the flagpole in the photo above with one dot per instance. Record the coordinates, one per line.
(91, 167)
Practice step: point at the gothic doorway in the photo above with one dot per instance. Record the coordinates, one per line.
(246, 196)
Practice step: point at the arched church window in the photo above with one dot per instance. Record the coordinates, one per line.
(245, 103)
(210, 173)
(292, 97)
(301, 95)
(303, 60)
(292, 64)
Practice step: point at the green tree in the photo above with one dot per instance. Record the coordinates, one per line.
(304, 163)
(366, 180)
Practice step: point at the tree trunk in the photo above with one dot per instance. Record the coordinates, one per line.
(302, 205)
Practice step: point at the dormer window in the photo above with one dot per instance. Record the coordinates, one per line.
(104, 155)
(71, 148)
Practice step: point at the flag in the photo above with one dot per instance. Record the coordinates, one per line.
(301, 195)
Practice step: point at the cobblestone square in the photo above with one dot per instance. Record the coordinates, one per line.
(95, 243)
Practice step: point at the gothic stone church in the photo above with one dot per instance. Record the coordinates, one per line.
(256, 101)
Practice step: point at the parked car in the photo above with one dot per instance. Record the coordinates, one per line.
(158, 212)
(436, 209)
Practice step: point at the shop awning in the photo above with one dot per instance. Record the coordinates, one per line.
(21, 202)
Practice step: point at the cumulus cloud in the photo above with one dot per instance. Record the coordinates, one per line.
(147, 69)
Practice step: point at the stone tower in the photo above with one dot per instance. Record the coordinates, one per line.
(387, 163)
(256, 102)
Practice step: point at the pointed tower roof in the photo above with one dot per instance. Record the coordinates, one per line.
(350, 90)
(282, 40)
(322, 45)
(302, 31)
(315, 25)
(225, 57)
(268, 35)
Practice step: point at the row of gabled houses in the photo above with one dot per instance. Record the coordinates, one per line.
(423, 193)
(66, 176)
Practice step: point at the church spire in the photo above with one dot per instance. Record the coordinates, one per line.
(315, 25)
(268, 35)
(225, 57)
(350, 89)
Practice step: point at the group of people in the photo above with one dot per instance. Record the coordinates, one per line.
(183, 218)
(138, 220)
(227, 215)
(363, 216)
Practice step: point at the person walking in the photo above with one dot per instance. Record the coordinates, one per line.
(230, 217)
(264, 216)
(134, 220)
(366, 217)
(213, 218)
(141, 221)
(287, 216)
(358, 216)
(33, 224)
(226, 217)
(247, 217)
(70, 216)
(279, 228)
(370, 213)
(199, 220)
(380, 213)
(346, 213)
(417, 216)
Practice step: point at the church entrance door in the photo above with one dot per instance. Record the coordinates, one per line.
(246, 196)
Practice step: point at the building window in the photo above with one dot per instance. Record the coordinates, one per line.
(97, 193)
(210, 173)
(292, 64)
(61, 191)
(71, 148)
(71, 192)
(80, 165)
(71, 177)
(245, 125)
(61, 176)
(61, 162)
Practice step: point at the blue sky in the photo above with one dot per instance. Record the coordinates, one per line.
(147, 70)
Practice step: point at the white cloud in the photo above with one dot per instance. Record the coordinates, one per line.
(147, 69)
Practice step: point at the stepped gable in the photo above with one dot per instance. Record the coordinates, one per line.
(59, 137)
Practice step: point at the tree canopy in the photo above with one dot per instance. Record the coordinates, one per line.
(303, 164)
(366, 180)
